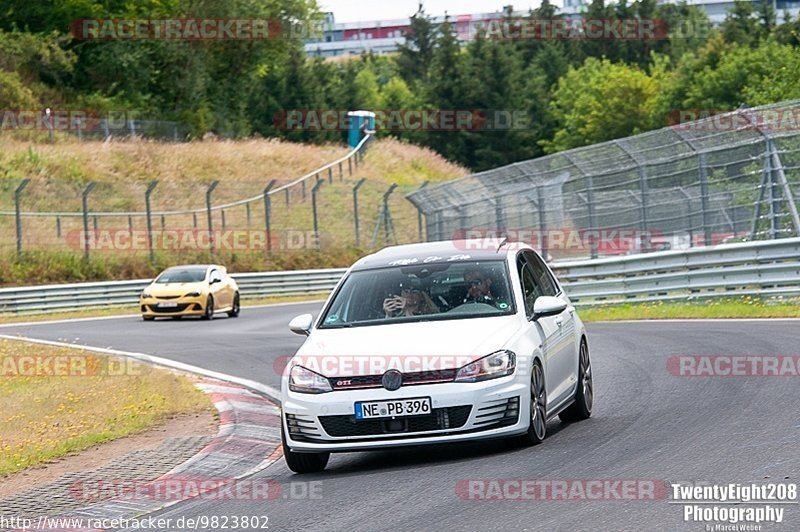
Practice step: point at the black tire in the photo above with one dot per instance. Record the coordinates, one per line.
(209, 312)
(148, 318)
(304, 462)
(584, 394)
(537, 430)
(236, 308)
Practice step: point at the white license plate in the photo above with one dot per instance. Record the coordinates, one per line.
(417, 406)
(167, 305)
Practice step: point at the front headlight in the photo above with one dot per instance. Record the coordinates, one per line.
(498, 364)
(193, 294)
(306, 381)
(145, 295)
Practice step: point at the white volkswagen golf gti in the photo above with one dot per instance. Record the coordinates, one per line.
(433, 343)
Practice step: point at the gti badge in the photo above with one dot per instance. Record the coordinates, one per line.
(392, 380)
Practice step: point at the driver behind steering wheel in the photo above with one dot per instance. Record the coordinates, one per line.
(479, 289)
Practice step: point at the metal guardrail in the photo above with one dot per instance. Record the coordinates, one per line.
(762, 268)
(81, 296)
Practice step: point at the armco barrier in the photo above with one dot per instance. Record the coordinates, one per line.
(762, 268)
(61, 297)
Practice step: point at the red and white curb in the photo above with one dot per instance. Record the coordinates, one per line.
(248, 440)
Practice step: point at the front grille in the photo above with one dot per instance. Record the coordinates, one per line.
(179, 308)
(451, 417)
(167, 297)
(409, 379)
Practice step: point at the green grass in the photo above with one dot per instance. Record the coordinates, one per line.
(43, 417)
(746, 307)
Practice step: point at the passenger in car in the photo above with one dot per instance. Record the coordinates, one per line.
(412, 301)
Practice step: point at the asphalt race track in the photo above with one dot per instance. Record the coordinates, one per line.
(648, 424)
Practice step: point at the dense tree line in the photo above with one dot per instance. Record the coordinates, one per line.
(572, 92)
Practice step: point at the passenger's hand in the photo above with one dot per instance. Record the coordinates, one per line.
(394, 304)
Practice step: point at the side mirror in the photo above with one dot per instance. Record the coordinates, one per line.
(215, 281)
(301, 324)
(548, 306)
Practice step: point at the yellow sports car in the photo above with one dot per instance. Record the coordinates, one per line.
(192, 290)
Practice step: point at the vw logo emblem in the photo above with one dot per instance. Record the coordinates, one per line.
(392, 380)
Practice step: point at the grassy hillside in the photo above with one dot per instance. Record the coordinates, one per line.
(59, 172)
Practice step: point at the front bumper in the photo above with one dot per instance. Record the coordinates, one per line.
(461, 412)
(186, 306)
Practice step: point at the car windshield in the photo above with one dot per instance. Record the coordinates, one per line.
(182, 275)
(438, 291)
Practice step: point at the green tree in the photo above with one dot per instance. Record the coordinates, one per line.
(600, 101)
(741, 25)
(415, 55)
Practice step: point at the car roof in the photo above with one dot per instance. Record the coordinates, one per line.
(432, 252)
(195, 267)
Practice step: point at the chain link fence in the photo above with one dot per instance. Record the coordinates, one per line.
(328, 207)
(727, 177)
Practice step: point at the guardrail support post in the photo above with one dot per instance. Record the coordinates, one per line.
(222, 212)
(150, 187)
(314, 209)
(303, 188)
(542, 222)
(330, 175)
(419, 214)
(341, 172)
(194, 219)
(643, 190)
(94, 223)
(268, 215)
(58, 226)
(350, 166)
(787, 190)
(210, 189)
(387, 217)
(592, 217)
(355, 209)
(18, 215)
(247, 213)
(771, 196)
(130, 224)
(704, 199)
(85, 205)
(163, 222)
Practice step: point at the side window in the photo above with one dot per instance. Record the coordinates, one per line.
(214, 276)
(530, 288)
(541, 274)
